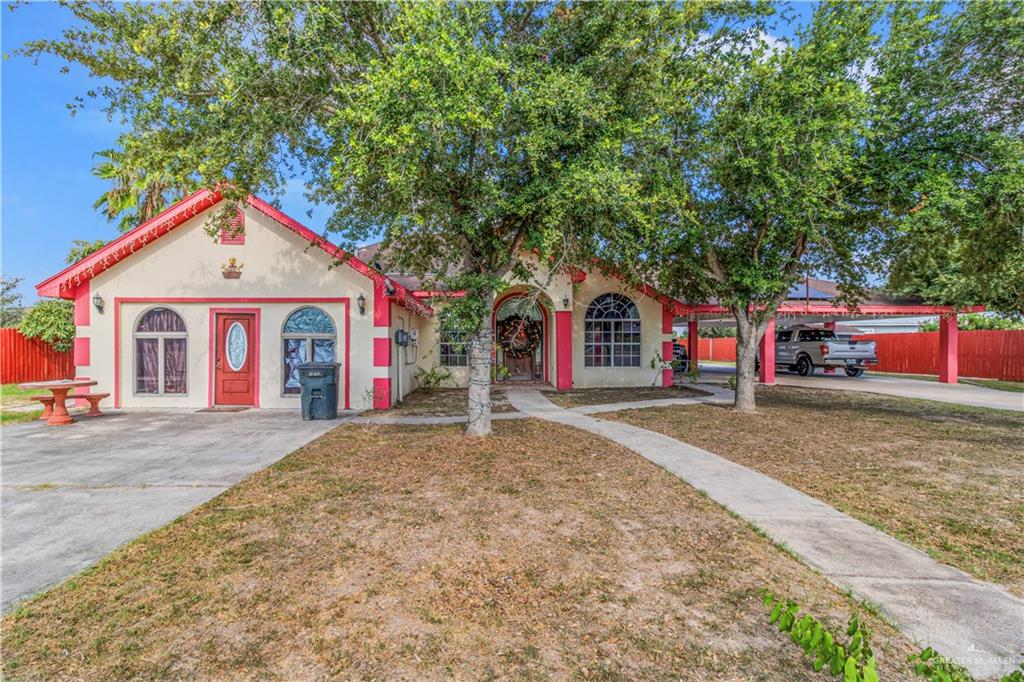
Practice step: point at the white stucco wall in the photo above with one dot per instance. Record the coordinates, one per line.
(580, 296)
(651, 337)
(186, 264)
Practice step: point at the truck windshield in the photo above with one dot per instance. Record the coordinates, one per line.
(816, 335)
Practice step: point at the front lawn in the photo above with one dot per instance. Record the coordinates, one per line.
(596, 396)
(13, 396)
(442, 402)
(383, 552)
(946, 478)
(19, 416)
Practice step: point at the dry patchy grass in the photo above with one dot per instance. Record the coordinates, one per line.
(416, 553)
(946, 478)
(443, 402)
(596, 396)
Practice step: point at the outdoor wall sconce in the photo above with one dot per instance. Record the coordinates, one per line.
(565, 302)
(361, 302)
(97, 302)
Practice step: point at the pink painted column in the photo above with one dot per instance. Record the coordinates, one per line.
(693, 342)
(382, 346)
(667, 347)
(563, 349)
(948, 348)
(767, 373)
(830, 325)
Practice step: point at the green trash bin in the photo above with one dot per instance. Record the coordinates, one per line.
(319, 385)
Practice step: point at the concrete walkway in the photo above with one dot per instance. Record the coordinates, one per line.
(959, 394)
(73, 494)
(716, 395)
(979, 624)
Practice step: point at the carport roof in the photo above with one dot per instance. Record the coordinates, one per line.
(816, 298)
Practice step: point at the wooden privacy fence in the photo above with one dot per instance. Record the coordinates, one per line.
(723, 349)
(982, 354)
(24, 359)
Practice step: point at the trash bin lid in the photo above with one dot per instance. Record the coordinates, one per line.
(319, 365)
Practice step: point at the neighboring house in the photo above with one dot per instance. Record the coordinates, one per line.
(168, 316)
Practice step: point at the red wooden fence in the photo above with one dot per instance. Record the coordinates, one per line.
(722, 348)
(24, 359)
(982, 354)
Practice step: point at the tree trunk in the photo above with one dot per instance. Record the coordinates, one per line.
(479, 408)
(747, 338)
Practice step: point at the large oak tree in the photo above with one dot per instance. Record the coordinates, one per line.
(464, 133)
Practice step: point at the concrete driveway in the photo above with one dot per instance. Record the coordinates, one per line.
(960, 394)
(72, 494)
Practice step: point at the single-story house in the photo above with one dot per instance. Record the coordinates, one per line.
(169, 316)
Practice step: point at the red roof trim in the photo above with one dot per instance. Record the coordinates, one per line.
(67, 280)
(64, 283)
(402, 296)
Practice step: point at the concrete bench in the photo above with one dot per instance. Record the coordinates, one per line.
(94, 402)
(47, 401)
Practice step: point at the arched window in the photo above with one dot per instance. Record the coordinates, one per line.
(161, 353)
(612, 333)
(308, 337)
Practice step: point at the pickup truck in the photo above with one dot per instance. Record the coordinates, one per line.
(801, 348)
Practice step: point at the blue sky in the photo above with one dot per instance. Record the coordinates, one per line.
(46, 186)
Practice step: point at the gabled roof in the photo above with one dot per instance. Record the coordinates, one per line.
(64, 283)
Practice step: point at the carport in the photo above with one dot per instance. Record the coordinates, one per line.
(813, 302)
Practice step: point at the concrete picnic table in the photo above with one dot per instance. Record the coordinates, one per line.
(59, 388)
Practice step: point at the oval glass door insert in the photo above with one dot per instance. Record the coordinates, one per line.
(236, 346)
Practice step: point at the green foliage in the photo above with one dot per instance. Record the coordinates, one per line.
(980, 321)
(466, 132)
(854, 661)
(948, 100)
(137, 192)
(10, 302)
(432, 379)
(51, 321)
(82, 249)
(717, 332)
(930, 665)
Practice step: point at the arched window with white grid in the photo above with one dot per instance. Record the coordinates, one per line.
(612, 332)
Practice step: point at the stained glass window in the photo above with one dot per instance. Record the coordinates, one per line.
(611, 333)
(308, 337)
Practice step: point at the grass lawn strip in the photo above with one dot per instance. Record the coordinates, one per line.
(442, 402)
(19, 416)
(948, 479)
(597, 396)
(416, 553)
(13, 396)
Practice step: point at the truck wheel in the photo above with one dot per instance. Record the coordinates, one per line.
(804, 367)
(854, 371)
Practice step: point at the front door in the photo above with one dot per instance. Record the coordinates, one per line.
(235, 377)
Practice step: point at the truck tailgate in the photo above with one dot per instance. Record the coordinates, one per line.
(851, 350)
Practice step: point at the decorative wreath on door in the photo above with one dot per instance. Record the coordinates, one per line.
(519, 337)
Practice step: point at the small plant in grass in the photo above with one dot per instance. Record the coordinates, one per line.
(693, 373)
(731, 382)
(658, 364)
(854, 662)
(431, 379)
(930, 665)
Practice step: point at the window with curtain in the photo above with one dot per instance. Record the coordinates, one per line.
(453, 349)
(611, 333)
(161, 353)
(308, 337)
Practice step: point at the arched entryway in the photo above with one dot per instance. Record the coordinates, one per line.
(520, 339)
